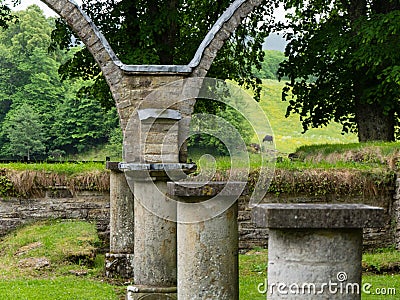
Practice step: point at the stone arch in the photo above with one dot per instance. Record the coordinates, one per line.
(129, 84)
(219, 33)
(99, 47)
(89, 34)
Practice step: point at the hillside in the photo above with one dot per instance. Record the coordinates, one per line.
(288, 131)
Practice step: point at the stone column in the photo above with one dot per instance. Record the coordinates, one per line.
(155, 269)
(207, 246)
(155, 237)
(314, 250)
(119, 261)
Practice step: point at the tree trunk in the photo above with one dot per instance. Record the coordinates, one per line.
(373, 124)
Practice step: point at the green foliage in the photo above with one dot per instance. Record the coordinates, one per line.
(343, 63)
(58, 123)
(24, 132)
(6, 186)
(223, 131)
(270, 64)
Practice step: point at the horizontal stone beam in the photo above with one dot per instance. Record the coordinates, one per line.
(324, 216)
(206, 189)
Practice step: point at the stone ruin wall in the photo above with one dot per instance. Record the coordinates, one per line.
(95, 207)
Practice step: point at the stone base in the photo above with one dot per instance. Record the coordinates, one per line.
(119, 265)
(151, 293)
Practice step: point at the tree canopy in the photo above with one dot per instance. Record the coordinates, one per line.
(40, 113)
(343, 63)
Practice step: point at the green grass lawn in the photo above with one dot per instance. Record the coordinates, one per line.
(62, 242)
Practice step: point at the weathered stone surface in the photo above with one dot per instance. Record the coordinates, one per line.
(140, 292)
(318, 216)
(155, 236)
(121, 214)
(119, 265)
(314, 262)
(206, 189)
(34, 263)
(207, 257)
(84, 205)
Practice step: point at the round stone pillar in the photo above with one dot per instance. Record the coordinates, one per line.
(119, 261)
(207, 246)
(208, 257)
(306, 263)
(315, 250)
(155, 236)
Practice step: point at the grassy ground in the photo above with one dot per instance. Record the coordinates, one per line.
(56, 168)
(54, 260)
(75, 270)
(288, 131)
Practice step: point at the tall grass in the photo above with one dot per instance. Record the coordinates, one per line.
(65, 168)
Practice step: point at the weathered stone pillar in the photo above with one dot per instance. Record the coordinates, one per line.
(119, 261)
(314, 250)
(207, 244)
(155, 238)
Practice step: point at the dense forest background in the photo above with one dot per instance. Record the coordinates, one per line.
(43, 116)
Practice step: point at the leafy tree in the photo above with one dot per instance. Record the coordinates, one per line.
(344, 64)
(270, 64)
(24, 131)
(81, 123)
(29, 77)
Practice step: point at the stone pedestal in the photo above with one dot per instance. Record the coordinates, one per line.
(208, 248)
(314, 250)
(119, 261)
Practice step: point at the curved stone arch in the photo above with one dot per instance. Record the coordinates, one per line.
(219, 33)
(91, 36)
(99, 47)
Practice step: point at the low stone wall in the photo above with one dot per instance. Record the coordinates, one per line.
(94, 206)
(250, 236)
(59, 203)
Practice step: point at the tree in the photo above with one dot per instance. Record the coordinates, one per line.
(270, 64)
(166, 32)
(344, 65)
(81, 123)
(29, 77)
(24, 131)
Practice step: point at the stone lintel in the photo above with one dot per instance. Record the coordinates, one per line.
(328, 216)
(158, 113)
(156, 166)
(156, 69)
(156, 171)
(113, 166)
(206, 189)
